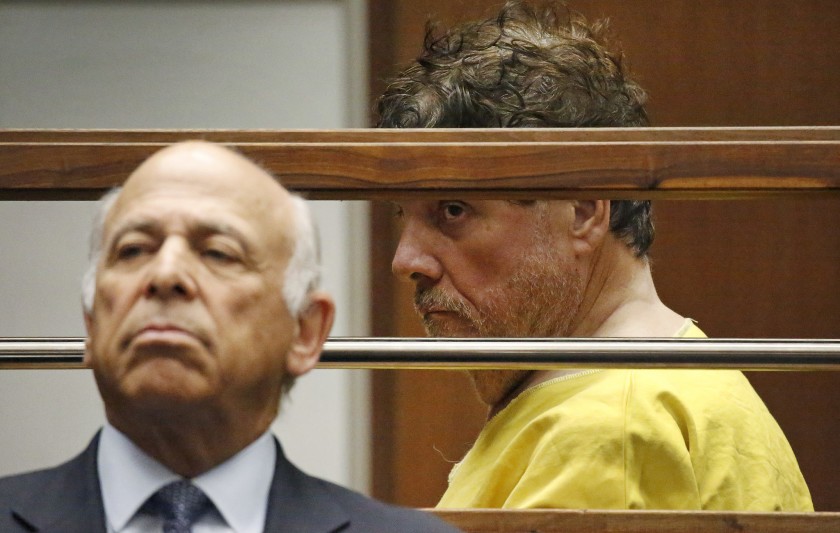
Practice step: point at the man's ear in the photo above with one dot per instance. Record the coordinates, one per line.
(88, 329)
(591, 224)
(314, 324)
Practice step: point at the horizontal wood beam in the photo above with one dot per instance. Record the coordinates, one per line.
(675, 163)
(588, 521)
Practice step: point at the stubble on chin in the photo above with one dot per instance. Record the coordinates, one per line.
(452, 316)
(540, 300)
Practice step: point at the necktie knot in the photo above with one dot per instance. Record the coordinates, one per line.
(180, 503)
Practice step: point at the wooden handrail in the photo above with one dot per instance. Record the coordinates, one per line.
(586, 521)
(510, 163)
(673, 163)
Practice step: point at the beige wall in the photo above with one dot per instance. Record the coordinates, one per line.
(148, 64)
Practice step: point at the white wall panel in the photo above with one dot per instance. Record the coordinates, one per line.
(186, 64)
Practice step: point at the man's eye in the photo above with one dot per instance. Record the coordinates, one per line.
(453, 210)
(218, 255)
(129, 251)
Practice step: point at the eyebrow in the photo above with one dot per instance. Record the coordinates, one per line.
(203, 229)
(139, 226)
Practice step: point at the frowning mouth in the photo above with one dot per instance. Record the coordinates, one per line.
(442, 315)
(426, 311)
(435, 315)
(164, 334)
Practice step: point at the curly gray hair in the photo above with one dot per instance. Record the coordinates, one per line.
(525, 68)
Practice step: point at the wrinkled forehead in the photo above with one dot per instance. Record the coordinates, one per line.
(205, 181)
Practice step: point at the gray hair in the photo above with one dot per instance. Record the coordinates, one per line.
(302, 275)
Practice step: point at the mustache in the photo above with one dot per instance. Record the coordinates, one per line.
(434, 299)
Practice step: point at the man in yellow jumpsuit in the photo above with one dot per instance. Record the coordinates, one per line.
(608, 439)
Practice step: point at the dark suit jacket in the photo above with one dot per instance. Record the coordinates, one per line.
(67, 499)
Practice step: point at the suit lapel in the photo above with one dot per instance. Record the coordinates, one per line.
(300, 503)
(66, 498)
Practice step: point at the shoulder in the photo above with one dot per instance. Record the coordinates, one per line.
(589, 400)
(15, 483)
(19, 486)
(369, 515)
(714, 390)
(691, 398)
(53, 494)
(612, 405)
(29, 485)
(607, 397)
(301, 502)
(29, 492)
(557, 421)
(704, 411)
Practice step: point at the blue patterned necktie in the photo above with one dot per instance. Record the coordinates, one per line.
(180, 504)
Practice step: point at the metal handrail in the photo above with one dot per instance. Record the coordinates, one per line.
(425, 353)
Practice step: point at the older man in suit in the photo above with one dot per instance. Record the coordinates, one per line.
(202, 308)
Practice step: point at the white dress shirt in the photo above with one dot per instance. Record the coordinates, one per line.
(238, 487)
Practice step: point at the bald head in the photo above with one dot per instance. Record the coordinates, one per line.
(192, 168)
(216, 169)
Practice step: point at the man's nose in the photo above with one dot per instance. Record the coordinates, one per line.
(171, 272)
(414, 259)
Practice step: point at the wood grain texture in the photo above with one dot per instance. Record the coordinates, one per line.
(368, 164)
(703, 62)
(763, 268)
(564, 521)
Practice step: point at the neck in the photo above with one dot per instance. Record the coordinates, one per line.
(188, 445)
(531, 379)
(620, 299)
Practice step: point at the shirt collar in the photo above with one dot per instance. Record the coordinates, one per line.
(238, 487)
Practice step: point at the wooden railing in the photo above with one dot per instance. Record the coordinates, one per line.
(379, 164)
(585, 521)
(367, 164)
